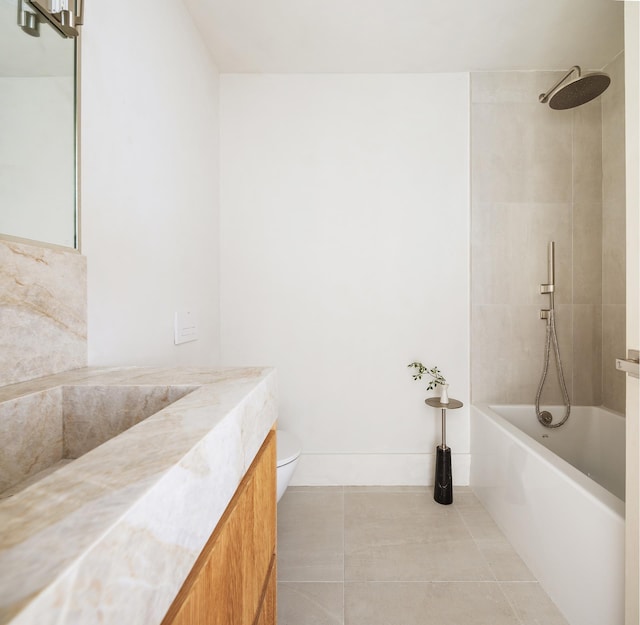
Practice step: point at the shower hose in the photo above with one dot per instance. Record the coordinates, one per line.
(545, 416)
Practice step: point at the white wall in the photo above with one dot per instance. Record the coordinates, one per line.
(150, 183)
(345, 238)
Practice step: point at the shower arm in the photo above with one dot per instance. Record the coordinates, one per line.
(544, 97)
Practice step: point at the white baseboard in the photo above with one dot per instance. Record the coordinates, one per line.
(375, 469)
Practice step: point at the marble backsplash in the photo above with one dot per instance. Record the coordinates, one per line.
(43, 311)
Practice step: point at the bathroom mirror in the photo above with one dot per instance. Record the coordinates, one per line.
(38, 198)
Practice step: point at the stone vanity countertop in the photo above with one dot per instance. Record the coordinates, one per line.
(110, 537)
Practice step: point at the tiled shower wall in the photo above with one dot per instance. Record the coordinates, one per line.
(43, 311)
(537, 176)
(613, 238)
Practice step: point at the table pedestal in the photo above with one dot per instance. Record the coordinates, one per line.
(443, 488)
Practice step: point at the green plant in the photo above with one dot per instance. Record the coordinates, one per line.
(434, 372)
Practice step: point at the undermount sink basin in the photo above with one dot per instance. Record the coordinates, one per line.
(43, 431)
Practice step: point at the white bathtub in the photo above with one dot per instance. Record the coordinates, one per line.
(568, 527)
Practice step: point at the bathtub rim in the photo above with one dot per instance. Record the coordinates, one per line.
(599, 494)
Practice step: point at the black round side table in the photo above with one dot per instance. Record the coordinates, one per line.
(443, 488)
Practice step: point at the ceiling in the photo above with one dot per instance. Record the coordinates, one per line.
(398, 36)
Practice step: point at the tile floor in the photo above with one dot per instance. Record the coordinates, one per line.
(392, 556)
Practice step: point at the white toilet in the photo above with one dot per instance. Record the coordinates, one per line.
(288, 450)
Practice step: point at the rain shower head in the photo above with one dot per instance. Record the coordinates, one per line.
(576, 92)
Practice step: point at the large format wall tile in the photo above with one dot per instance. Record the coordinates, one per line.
(613, 346)
(587, 152)
(520, 153)
(521, 159)
(541, 175)
(587, 253)
(587, 355)
(513, 87)
(43, 311)
(509, 247)
(508, 346)
(613, 238)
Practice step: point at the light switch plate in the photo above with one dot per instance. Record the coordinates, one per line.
(185, 327)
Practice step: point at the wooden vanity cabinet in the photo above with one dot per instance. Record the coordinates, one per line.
(233, 581)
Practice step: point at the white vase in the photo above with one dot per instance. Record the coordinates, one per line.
(444, 393)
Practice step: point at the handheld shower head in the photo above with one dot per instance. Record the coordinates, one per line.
(576, 92)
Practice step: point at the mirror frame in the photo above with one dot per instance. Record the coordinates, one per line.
(77, 64)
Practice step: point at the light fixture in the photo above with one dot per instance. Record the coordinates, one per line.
(28, 21)
(63, 19)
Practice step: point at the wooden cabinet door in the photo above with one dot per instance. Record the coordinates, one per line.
(227, 583)
(268, 609)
